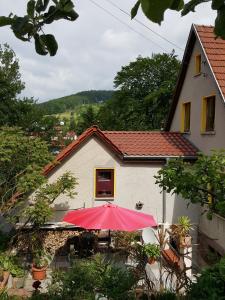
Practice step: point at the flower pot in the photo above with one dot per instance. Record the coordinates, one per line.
(39, 273)
(18, 282)
(185, 241)
(151, 260)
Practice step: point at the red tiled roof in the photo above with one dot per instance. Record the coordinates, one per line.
(133, 143)
(215, 51)
(151, 143)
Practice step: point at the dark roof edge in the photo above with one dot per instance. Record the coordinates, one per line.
(181, 77)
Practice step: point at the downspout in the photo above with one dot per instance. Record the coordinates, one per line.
(164, 199)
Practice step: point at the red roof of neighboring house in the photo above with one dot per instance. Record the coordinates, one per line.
(151, 143)
(133, 143)
(215, 51)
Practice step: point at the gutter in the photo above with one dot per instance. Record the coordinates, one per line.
(155, 157)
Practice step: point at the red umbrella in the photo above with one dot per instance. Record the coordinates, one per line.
(111, 217)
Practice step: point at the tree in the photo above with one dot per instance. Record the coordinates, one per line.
(43, 12)
(201, 182)
(72, 121)
(22, 161)
(146, 88)
(87, 118)
(210, 284)
(14, 111)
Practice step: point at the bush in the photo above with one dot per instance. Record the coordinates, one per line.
(211, 284)
(90, 277)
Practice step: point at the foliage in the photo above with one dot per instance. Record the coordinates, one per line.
(43, 12)
(71, 102)
(88, 277)
(152, 250)
(200, 182)
(10, 77)
(40, 258)
(14, 111)
(141, 104)
(87, 118)
(40, 210)
(11, 264)
(184, 225)
(210, 284)
(21, 162)
(154, 10)
(21, 172)
(125, 239)
(40, 13)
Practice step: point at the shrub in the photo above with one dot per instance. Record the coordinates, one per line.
(211, 283)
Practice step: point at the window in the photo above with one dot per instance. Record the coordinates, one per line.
(186, 117)
(104, 183)
(198, 64)
(208, 114)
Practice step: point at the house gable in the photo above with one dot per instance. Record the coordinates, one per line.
(196, 89)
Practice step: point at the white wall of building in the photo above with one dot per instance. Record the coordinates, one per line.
(193, 90)
(134, 182)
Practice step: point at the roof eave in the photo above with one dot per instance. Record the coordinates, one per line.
(157, 157)
(210, 66)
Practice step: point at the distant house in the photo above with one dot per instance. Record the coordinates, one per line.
(119, 166)
(198, 111)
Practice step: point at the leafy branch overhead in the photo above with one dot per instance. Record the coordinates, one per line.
(43, 12)
(40, 13)
(154, 10)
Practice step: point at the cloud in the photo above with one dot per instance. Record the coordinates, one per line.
(93, 48)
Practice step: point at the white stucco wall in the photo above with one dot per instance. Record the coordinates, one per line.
(193, 90)
(133, 182)
(215, 230)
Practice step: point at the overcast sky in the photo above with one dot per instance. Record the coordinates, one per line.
(93, 48)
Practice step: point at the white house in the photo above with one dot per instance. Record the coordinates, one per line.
(198, 111)
(119, 167)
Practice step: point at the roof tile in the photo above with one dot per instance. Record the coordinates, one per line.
(215, 50)
(133, 143)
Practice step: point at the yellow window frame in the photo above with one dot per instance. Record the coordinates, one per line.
(198, 61)
(204, 112)
(183, 108)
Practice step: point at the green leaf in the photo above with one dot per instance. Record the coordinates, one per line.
(177, 5)
(39, 46)
(217, 4)
(155, 9)
(30, 8)
(220, 23)
(41, 6)
(190, 6)
(4, 21)
(134, 10)
(66, 5)
(50, 42)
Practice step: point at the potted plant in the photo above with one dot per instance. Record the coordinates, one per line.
(181, 231)
(40, 264)
(18, 275)
(5, 264)
(152, 251)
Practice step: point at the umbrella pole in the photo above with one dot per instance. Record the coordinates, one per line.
(109, 238)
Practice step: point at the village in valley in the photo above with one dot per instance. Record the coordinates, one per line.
(118, 192)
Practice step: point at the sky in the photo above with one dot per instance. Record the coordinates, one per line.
(95, 47)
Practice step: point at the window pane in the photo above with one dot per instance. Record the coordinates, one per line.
(210, 113)
(104, 175)
(104, 183)
(187, 115)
